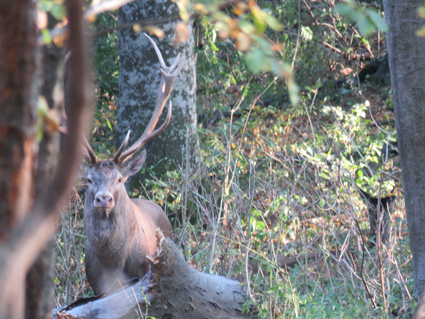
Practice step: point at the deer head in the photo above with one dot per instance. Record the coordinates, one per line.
(106, 178)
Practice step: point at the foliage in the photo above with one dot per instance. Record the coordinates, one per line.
(366, 19)
(278, 179)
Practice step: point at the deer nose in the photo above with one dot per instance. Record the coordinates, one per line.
(104, 200)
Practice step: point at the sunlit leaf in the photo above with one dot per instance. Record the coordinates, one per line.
(137, 28)
(246, 26)
(421, 12)
(153, 30)
(182, 33)
(273, 23)
(421, 32)
(222, 28)
(306, 33)
(201, 8)
(240, 8)
(260, 25)
(243, 42)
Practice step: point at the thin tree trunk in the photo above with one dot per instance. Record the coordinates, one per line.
(40, 279)
(25, 227)
(18, 97)
(139, 78)
(406, 53)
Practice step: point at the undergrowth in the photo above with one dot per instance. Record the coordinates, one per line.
(278, 181)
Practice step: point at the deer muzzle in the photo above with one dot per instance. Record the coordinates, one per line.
(104, 200)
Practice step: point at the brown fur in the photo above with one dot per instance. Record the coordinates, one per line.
(120, 235)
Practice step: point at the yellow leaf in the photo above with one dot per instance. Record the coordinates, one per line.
(277, 47)
(137, 28)
(182, 33)
(421, 32)
(243, 42)
(155, 31)
(201, 8)
(239, 8)
(223, 29)
(92, 18)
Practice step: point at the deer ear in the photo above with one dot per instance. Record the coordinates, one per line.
(135, 165)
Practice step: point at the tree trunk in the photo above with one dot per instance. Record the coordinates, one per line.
(18, 97)
(406, 53)
(27, 224)
(40, 279)
(171, 289)
(139, 79)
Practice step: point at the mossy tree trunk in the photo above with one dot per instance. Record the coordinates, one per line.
(138, 87)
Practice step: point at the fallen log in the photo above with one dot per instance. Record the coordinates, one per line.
(171, 289)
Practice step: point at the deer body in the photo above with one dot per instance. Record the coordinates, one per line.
(119, 239)
(120, 230)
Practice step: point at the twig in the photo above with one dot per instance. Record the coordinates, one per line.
(379, 213)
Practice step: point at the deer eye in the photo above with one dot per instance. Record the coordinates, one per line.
(89, 180)
(120, 180)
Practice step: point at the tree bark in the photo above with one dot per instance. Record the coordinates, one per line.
(171, 289)
(40, 279)
(139, 79)
(25, 227)
(406, 52)
(18, 99)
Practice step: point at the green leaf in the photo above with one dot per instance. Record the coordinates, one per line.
(246, 26)
(343, 9)
(261, 26)
(46, 36)
(377, 20)
(255, 60)
(365, 26)
(273, 23)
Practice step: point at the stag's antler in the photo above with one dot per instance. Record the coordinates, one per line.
(169, 74)
(89, 155)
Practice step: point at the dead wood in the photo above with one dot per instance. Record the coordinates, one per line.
(171, 289)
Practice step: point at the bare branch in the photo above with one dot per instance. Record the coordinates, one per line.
(105, 6)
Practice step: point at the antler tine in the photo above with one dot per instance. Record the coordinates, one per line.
(121, 148)
(158, 52)
(142, 141)
(166, 68)
(90, 155)
(169, 74)
(92, 158)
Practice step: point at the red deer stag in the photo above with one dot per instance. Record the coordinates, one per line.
(120, 230)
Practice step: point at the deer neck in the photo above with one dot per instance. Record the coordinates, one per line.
(109, 232)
